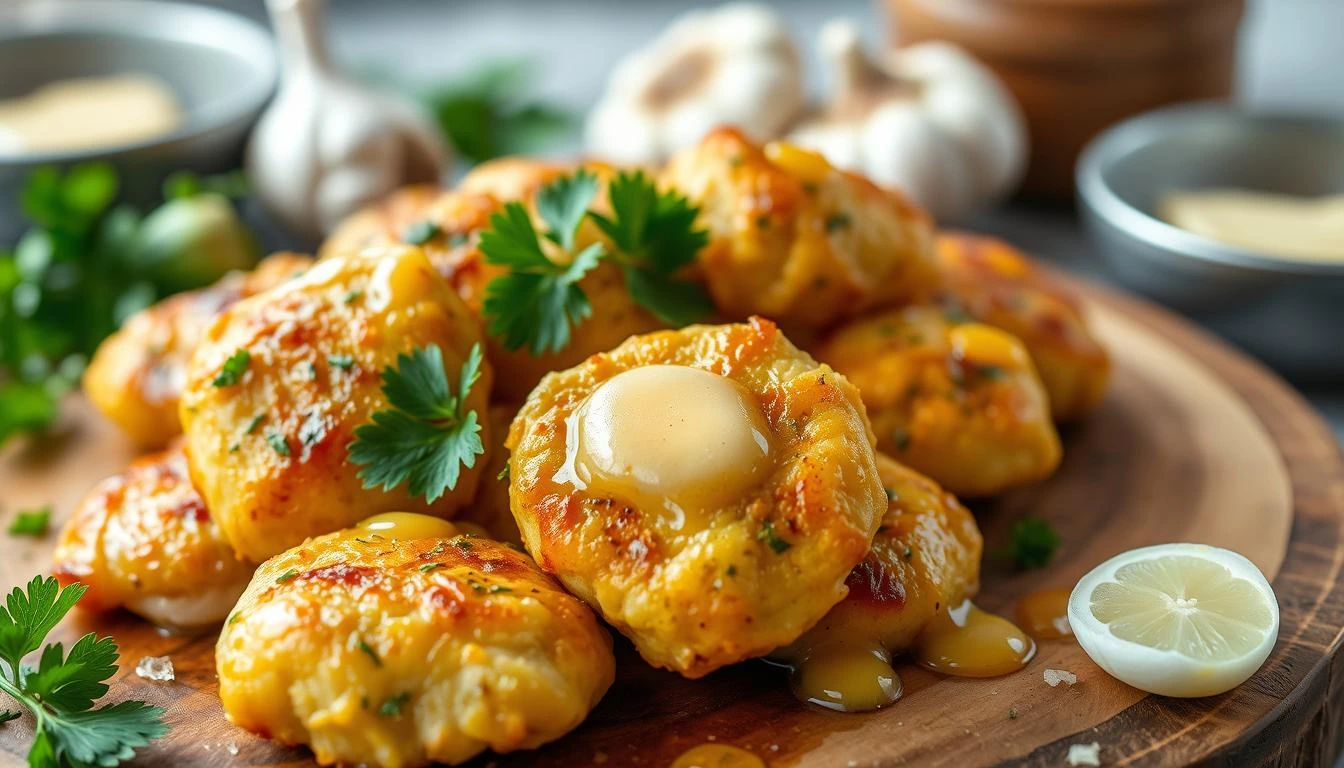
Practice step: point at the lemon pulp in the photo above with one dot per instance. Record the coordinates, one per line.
(1185, 604)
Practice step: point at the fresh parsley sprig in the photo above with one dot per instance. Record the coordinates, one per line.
(655, 237)
(61, 691)
(427, 436)
(538, 302)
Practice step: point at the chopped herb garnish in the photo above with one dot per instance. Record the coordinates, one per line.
(732, 570)
(421, 232)
(352, 296)
(286, 576)
(768, 535)
(991, 372)
(427, 567)
(497, 588)
(901, 438)
(1012, 713)
(312, 370)
(503, 473)
(391, 707)
(891, 493)
(254, 423)
(838, 221)
(233, 369)
(1033, 542)
(908, 553)
(32, 522)
(372, 654)
(344, 362)
(278, 444)
(462, 544)
(427, 435)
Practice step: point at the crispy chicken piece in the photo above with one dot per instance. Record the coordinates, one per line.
(796, 240)
(143, 540)
(388, 650)
(997, 284)
(925, 557)
(268, 444)
(137, 374)
(960, 402)
(707, 490)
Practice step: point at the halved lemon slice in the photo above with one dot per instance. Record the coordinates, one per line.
(1176, 619)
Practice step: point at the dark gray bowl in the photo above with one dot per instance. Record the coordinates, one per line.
(1288, 312)
(221, 66)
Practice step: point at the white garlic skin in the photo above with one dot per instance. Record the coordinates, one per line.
(737, 64)
(954, 141)
(327, 145)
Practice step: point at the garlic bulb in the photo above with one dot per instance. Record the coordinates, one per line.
(928, 119)
(734, 65)
(327, 145)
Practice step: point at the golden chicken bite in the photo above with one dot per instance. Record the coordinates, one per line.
(997, 284)
(958, 402)
(136, 376)
(381, 650)
(925, 558)
(797, 240)
(143, 540)
(282, 380)
(706, 490)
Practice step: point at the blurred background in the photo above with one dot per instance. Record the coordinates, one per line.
(989, 139)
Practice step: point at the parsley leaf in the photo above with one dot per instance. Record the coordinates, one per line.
(62, 690)
(539, 300)
(421, 232)
(767, 534)
(427, 436)
(391, 707)
(655, 237)
(563, 204)
(32, 522)
(233, 369)
(1033, 542)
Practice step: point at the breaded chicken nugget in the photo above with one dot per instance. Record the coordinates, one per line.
(144, 540)
(389, 650)
(958, 402)
(997, 284)
(707, 490)
(282, 380)
(796, 240)
(925, 557)
(137, 374)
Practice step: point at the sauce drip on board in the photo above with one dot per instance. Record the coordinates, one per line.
(1045, 614)
(965, 641)
(717, 756)
(667, 436)
(843, 670)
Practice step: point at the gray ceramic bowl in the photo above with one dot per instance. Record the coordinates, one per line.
(220, 65)
(1288, 312)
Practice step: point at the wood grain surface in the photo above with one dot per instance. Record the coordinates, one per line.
(1194, 443)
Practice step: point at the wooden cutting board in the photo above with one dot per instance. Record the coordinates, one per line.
(1194, 443)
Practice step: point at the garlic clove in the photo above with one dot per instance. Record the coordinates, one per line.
(904, 150)
(623, 134)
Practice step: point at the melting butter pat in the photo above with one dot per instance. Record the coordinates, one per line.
(87, 113)
(405, 526)
(668, 436)
(1271, 224)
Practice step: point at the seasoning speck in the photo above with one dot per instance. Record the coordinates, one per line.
(1054, 677)
(1084, 754)
(156, 668)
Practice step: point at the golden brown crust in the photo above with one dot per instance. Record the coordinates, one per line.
(269, 452)
(925, 557)
(474, 647)
(960, 402)
(997, 284)
(796, 240)
(711, 591)
(144, 540)
(490, 509)
(136, 376)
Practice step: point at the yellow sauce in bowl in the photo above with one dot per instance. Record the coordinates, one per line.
(88, 113)
(1285, 226)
